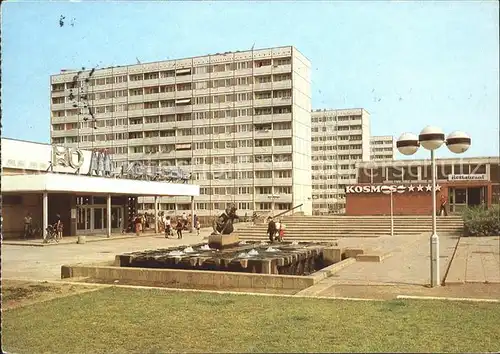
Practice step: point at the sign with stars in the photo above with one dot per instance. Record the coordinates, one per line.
(388, 189)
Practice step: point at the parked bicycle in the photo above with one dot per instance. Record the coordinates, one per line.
(51, 234)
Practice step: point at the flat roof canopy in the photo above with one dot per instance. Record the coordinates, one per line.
(60, 183)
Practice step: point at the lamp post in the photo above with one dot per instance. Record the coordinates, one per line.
(432, 138)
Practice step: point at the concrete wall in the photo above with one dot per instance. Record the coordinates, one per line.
(191, 277)
(13, 215)
(301, 126)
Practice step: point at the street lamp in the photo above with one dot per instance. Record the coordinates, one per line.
(432, 138)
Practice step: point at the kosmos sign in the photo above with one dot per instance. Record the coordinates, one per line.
(388, 189)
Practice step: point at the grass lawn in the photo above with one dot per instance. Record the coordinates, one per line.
(119, 320)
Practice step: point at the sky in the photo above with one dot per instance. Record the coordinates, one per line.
(409, 64)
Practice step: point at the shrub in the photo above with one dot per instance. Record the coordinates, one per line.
(480, 221)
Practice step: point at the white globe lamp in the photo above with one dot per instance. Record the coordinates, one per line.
(458, 142)
(431, 138)
(407, 144)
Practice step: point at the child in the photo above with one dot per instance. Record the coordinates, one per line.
(198, 228)
(179, 227)
(281, 231)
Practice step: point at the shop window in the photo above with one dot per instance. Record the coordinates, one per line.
(478, 169)
(100, 200)
(394, 173)
(364, 175)
(495, 194)
(461, 169)
(442, 171)
(378, 175)
(410, 173)
(12, 199)
(494, 173)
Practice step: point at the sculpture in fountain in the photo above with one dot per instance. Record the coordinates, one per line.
(224, 223)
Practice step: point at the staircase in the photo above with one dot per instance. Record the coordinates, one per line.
(327, 228)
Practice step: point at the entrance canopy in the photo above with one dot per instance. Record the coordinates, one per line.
(66, 183)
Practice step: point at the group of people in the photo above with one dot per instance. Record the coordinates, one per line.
(29, 231)
(275, 229)
(167, 224)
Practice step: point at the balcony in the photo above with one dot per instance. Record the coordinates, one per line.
(280, 85)
(183, 94)
(135, 127)
(135, 84)
(282, 69)
(285, 133)
(263, 102)
(286, 149)
(184, 109)
(268, 69)
(59, 93)
(58, 106)
(285, 165)
(262, 86)
(266, 182)
(166, 95)
(264, 118)
(179, 79)
(282, 101)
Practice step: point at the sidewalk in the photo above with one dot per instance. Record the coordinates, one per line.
(407, 266)
(477, 260)
(67, 240)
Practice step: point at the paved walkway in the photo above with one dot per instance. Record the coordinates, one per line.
(44, 263)
(477, 260)
(72, 239)
(409, 264)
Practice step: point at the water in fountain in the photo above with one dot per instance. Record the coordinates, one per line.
(176, 253)
(243, 255)
(188, 249)
(242, 243)
(205, 248)
(253, 252)
(271, 249)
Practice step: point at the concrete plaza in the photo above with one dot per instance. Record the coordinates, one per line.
(405, 268)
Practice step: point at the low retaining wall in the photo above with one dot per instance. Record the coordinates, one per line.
(191, 277)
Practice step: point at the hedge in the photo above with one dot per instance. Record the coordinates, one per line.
(480, 221)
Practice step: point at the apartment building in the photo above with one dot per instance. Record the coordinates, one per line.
(340, 139)
(240, 122)
(382, 147)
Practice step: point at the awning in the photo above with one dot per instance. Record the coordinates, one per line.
(183, 71)
(65, 183)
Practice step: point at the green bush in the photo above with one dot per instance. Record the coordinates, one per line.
(480, 221)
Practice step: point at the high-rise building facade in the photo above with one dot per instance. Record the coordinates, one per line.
(240, 122)
(340, 139)
(382, 147)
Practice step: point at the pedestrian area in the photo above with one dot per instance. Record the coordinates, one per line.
(477, 260)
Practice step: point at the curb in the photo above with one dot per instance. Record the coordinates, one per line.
(221, 292)
(411, 297)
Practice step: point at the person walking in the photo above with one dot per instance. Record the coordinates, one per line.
(138, 224)
(271, 229)
(28, 226)
(198, 226)
(179, 227)
(281, 231)
(442, 208)
(168, 227)
(59, 227)
(278, 227)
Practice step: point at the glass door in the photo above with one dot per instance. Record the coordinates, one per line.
(116, 218)
(99, 219)
(83, 219)
(459, 200)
